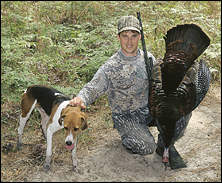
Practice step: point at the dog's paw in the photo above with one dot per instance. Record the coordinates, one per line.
(74, 166)
(77, 170)
(46, 167)
(18, 146)
(74, 169)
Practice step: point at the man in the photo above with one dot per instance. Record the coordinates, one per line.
(123, 78)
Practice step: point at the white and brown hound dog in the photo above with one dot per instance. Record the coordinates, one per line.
(56, 113)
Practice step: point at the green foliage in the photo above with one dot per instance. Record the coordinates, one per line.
(63, 43)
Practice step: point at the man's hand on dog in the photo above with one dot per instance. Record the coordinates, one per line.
(77, 101)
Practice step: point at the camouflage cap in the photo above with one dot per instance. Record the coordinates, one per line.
(128, 23)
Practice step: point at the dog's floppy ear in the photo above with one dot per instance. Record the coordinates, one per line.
(84, 124)
(62, 115)
(61, 119)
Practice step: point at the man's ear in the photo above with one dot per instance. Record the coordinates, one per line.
(118, 36)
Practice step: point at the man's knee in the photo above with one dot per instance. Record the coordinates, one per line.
(139, 145)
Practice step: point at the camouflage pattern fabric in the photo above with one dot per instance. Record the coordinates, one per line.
(128, 23)
(134, 132)
(123, 79)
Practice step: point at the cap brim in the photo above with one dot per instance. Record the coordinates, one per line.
(128, 28)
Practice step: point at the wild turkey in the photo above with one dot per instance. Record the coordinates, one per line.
(178, 83)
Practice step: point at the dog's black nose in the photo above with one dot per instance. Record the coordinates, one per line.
(68, 143)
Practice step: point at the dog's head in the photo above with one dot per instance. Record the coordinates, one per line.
(74, 121)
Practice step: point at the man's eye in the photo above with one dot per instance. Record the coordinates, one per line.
(76, 129)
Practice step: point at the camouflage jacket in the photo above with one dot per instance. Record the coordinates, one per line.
(123, 79)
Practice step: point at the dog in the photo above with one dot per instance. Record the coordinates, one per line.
(56, 114)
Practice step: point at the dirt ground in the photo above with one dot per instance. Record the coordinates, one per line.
(101, 156)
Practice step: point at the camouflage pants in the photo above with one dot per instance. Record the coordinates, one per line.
(135, 134)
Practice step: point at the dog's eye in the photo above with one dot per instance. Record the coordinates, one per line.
(76, 129)
(65, 128)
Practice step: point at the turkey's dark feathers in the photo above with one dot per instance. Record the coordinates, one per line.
(188, 38)
(178, 83)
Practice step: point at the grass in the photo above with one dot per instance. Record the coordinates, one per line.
(63, 43)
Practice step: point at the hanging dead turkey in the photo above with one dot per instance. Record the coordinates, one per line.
(179, 83)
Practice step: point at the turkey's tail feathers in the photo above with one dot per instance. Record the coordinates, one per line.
(187, 38)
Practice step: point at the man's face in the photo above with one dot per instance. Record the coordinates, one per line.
(129, 42)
